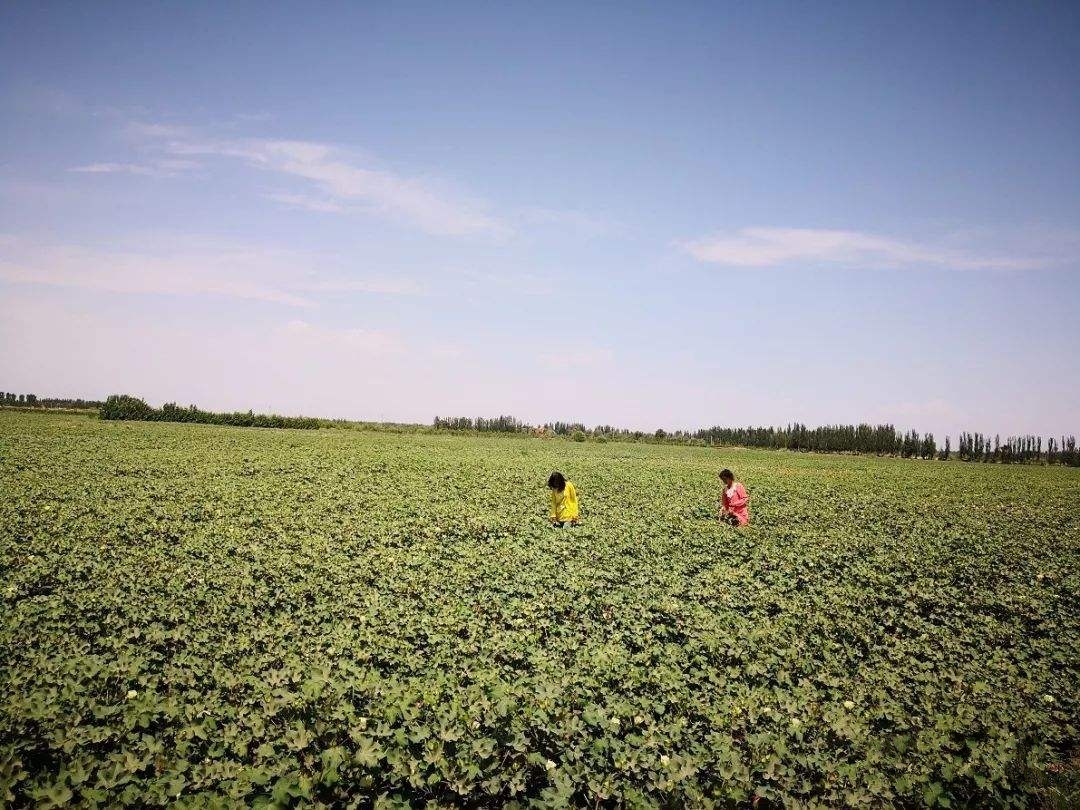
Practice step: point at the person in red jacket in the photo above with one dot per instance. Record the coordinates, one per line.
(734, 501)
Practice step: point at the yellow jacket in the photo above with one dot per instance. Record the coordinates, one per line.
(564, 505)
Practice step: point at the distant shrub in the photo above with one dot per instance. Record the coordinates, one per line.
(578, 436)
(124, 407)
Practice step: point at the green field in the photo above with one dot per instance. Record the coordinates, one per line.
(239, 615)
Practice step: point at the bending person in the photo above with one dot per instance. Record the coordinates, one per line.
(564, 502)
(734, 501)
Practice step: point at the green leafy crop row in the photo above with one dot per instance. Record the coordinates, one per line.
(205, 615)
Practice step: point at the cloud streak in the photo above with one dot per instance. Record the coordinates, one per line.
(158, 168)
(373, 342)
(229, 274)
(329, 179)
(773, 247)
(343, 184)
(567, 220)
(307, 203)
(186, 266)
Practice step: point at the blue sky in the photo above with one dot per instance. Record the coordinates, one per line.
(654, 215)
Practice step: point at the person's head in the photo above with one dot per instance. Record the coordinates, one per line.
(557, 481)
(728, 477)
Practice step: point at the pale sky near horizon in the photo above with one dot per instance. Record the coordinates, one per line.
(649, 215)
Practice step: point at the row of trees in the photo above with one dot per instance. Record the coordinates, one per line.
(863, 438)
(882, 439)
(7, 398)
(510, 424)
(1018, 449)
(498, 424)
(122, 407)
(34, 401)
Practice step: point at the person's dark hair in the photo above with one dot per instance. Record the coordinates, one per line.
(557, 482)
(727, 474)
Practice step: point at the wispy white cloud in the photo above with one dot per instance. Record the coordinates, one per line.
(307, 203)
(345, 181)
(768, 247)
(342, 179)
(177, 164)
(572, 220)
(166, 167)
(230, 274)
(190, 266)
(252, 118)
(143, 129)
(113, 168)
(362, 341)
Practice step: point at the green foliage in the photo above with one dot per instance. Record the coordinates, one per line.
(498, 424)
(124, 407)
(231, 617)
(578, 436)
(884, 440)
(56, 403)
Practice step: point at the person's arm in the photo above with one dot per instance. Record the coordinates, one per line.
(571, 494)
(554, 506)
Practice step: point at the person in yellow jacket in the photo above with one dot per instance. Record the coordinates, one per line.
(564, 502)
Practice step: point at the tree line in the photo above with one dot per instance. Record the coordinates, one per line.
(883, 439)
(124, 407)
(1018, 449)
(864, 438)
(34, 401)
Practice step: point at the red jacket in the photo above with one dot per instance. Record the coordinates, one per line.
(736, 500)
